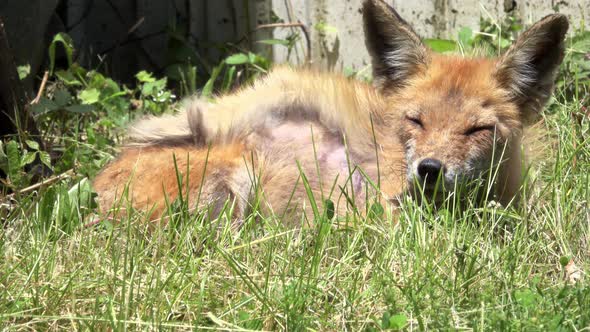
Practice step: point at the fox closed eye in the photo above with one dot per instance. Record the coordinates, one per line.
(415, 121)
(479, 129)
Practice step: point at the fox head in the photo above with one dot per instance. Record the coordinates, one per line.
(457, 116)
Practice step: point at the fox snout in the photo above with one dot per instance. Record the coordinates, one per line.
(429, 170)
(437, 174)
(432, 174)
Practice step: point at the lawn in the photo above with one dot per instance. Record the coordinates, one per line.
(482, 268)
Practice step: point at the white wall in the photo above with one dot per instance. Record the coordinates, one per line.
(344, 47)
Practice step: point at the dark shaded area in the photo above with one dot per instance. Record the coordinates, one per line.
(121, 37)
(117, 38)
(14, 115)
(15, 118)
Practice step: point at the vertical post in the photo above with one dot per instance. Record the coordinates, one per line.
(14, 111)
(260, 13)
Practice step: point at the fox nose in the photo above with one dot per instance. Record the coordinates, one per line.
(429, 170)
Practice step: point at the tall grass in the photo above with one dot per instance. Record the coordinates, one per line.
(486, 267)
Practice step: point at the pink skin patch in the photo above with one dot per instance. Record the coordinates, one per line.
(329, 149)
(336, 159)
(292, 132)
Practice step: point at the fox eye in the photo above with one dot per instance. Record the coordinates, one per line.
(477, 129)
(486, 103)
(415, 121)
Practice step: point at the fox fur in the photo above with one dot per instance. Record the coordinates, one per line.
(297, 131)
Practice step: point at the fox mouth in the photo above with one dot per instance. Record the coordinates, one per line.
(432, 193)
(443, 188)
(429, 189)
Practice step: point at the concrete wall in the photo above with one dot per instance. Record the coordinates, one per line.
(343, 46)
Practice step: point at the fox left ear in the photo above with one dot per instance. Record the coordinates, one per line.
(527, 70)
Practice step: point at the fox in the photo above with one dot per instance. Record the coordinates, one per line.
(427, 122)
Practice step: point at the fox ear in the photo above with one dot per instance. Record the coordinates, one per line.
(527, 70)
(396, 50)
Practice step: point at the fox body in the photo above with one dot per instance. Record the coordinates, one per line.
(286, 128)
(429, 120)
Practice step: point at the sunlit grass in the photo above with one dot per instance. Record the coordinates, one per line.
(479, 267)
(485, 267)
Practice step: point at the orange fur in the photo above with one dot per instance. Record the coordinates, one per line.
(149, 175)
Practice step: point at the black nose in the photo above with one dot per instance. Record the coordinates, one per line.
(429, 170)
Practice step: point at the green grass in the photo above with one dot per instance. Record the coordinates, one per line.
(487, 268)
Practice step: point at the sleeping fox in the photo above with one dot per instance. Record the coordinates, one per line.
(429, 121)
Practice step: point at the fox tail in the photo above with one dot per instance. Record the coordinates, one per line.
(184, 127)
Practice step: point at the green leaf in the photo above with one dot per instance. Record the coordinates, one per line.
(33, 145)
(80, 108)
(581, 42)
(3, 158)
(398, 321)
(243, 316)
(89, 96)
(237, 59)
(45, 158)
(259, 60)
(441, 45)
(385, 320)
(526, 297)
(23, 71)
(329, 206)
(110, 87)
(68, 78)
(81, 194)
(274, 42)
(252, 58)
(62, 97)
(208, 88)
(376, 210)
(78, 71)
(145, 77)
(323, 27)
(154, 88)
(68, 44)
(504, 43)
(45, 106)
(28, 158)
(228, 79)
(97, 80)
(349, 71)
(13, 153)
(466, 37)
(564, 261)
